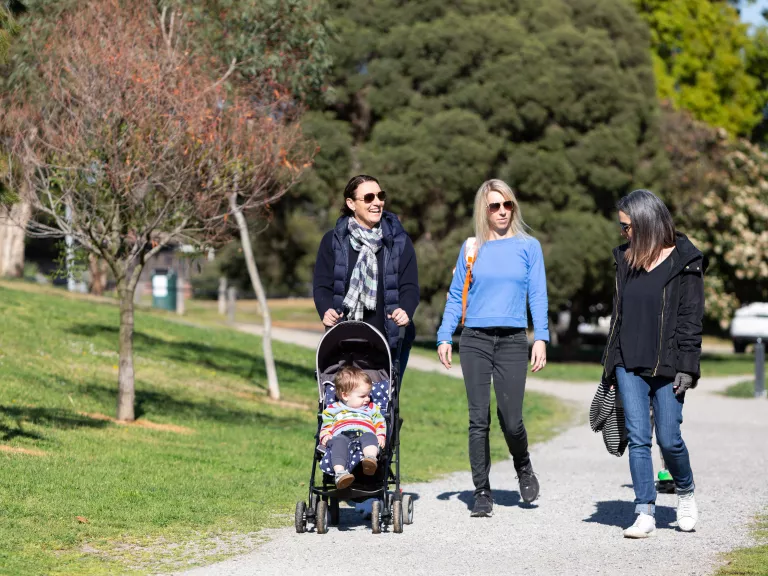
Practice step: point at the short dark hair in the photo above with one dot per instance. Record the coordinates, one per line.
(351, 188)
(652, 227)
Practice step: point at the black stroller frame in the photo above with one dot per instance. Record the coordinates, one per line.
(389, 506)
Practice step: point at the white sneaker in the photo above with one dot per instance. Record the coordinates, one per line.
(644, 527)
(687, 512)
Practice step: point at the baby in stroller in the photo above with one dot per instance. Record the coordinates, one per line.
(353, 417)
(352, 355)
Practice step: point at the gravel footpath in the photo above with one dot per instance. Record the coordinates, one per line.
(575, 526)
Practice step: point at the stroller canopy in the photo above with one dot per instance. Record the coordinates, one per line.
(352, 343)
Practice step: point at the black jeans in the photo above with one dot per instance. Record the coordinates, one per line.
(500, 354)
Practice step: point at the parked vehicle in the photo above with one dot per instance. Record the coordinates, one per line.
(749, 323)
(595, 332)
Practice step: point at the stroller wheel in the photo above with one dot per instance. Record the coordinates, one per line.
(313, 501)
(397, 517)
(321, 517)
(301, 517)
(376, 517)
(407, 509)
(334, 506)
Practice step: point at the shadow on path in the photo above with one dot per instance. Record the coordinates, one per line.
(621, 513)
(500, 498)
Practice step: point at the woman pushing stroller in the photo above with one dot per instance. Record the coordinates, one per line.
(366, 266)
(366, 291)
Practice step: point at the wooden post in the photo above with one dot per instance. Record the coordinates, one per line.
(231, 298)
(180, 286)
(760, 369)
(222, 296)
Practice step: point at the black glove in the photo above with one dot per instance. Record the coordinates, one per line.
(683, 381)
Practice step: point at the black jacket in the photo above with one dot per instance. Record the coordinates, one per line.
(398, 275)
(681, 314)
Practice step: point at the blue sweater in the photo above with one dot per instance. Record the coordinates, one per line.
(504, 272)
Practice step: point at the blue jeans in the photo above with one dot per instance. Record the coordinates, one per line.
(637, 393)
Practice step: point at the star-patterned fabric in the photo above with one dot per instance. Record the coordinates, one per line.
(380, 396)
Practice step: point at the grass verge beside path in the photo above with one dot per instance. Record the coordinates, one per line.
(210, 459)
(744, 389)
(749, 561)
(712, 365)
(297, 313)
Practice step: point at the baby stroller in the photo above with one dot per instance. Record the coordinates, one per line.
(363, 346)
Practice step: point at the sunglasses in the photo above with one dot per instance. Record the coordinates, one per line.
(625, 227)
(494, 207)
(368, 198)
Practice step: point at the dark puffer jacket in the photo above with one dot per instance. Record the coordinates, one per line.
(398, 275)
(681, 314)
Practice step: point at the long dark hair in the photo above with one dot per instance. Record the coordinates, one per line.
(652, 227)
(351, 188)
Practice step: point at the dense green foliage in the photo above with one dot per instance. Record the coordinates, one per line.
(555, 97)
(286, 38)
(8, 28)
(699, 49)
(718, 189)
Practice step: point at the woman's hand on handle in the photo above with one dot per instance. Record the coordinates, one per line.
(444, 354)
(538, 355)
(331, 317)
(400, 317)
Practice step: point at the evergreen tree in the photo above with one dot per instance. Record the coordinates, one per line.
(434, 97)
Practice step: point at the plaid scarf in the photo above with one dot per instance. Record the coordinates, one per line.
(365, 276)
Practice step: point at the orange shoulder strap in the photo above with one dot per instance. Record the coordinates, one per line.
(469, 256)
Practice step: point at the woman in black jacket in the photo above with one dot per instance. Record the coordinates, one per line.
(654, 348)
(366, 267)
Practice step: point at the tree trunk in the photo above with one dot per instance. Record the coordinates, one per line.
(98, 269)
(13, 225)
(245, 240)
(126, 385)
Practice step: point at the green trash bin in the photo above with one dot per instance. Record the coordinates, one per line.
(164, 289)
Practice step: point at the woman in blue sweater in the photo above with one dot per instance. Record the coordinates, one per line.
(508, 266)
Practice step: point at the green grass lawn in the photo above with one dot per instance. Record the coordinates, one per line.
(298, 313)
(745, 389)
(749, 561)
(230, 462)
(591, 371)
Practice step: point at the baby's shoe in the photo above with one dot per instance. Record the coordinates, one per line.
(369, 464)
(344, 479)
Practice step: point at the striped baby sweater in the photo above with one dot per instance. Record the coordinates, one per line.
(338, 418)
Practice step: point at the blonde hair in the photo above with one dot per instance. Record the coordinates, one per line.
(349, 378)
(482, 228)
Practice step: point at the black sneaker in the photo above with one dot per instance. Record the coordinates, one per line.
(529, 484)
(483, 507)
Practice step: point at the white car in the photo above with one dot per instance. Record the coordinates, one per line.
(748, 324)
